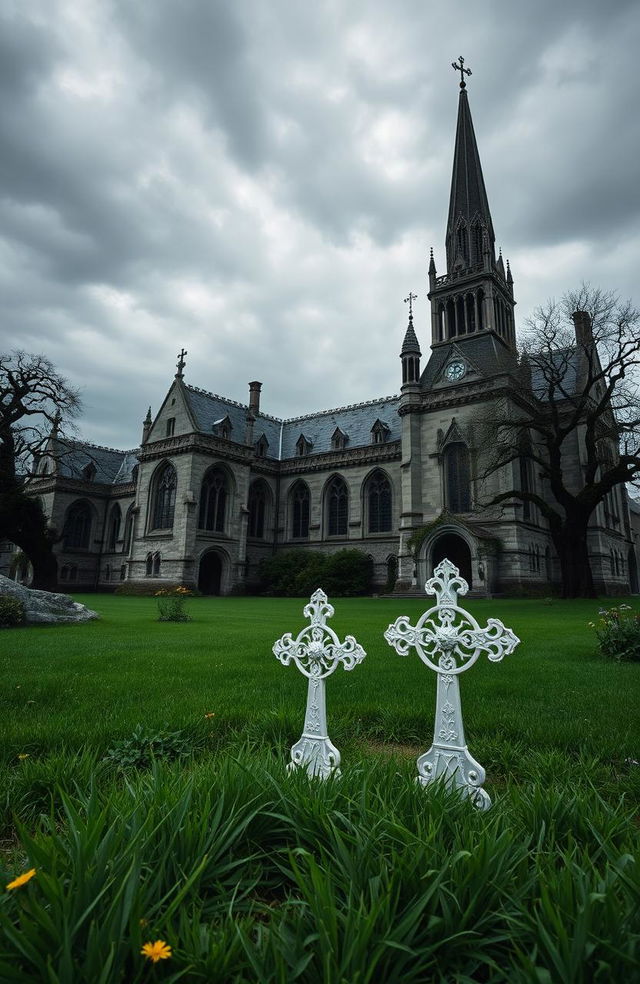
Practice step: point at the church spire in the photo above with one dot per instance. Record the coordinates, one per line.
(476, 293)
(469, 218)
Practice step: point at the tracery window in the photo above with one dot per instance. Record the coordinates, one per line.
(77, 527)
(213, 501)
(378, 501)
(337, 499)
(164, 498)
(300, 510)
(457, 478)
(257, 506)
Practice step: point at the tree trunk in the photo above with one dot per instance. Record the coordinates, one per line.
(22, 522)
(575, 567)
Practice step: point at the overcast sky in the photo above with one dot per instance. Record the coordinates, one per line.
(260, 181)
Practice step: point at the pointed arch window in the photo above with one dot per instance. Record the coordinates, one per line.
(457, 478)
(378, 503)
(337, 499)
(148, 569)
(77, 527)
(157, 559)
(164, 498)
(114, 527)
(300, 511)
(128, 530)
(213, 501)
(257, 505)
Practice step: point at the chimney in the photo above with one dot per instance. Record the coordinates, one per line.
(582, 325)
(254, 397)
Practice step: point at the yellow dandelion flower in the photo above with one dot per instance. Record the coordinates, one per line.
(156, 951)
(23, 755)
(21, 880)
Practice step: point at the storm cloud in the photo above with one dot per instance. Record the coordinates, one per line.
(261, 183)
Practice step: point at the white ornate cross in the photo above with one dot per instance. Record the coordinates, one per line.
(449, 640)
(316, 651)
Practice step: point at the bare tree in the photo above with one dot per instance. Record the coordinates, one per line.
(573, 420)
(34, 401)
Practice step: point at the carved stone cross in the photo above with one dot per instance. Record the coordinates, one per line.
(316, 651)
(449, 640)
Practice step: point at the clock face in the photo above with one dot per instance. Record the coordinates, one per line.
(455, 370)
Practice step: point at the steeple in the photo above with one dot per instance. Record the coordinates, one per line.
(476, 294)
(469, 218)
(410, 353)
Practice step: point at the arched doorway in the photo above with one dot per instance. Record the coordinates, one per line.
(633, 572)
(210, 573)
(455, 549)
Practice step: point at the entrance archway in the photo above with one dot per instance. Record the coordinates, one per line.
(455, 549)
(210, 573)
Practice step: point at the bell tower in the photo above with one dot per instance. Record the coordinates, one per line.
(476, 293)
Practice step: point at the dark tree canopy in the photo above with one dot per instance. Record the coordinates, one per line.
(573, 419)
(35, 401)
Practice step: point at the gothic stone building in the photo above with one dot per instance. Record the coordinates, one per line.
(217, 485)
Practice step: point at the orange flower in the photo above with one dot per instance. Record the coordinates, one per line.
(211, 714)
(21, 880)
(156, 951)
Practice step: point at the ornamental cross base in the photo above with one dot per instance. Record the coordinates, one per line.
(449, 641)
(316, 651)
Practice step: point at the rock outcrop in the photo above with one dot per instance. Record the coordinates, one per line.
(46, 607)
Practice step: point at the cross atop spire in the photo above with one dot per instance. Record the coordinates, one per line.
(181, 363)
(409, 300)
(463, 71)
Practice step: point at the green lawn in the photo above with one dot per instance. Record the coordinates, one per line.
(252, 875)
(71, 685)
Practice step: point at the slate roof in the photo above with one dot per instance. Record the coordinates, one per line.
(484, 351)
(282, 435)
(567, 373)
(112, 467)
(355, 421)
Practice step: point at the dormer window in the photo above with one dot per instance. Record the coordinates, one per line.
(89, 472)
(223, 428)
(262, 446)
(379, 433)
(303, 446)
(171, 427)
(338, 440)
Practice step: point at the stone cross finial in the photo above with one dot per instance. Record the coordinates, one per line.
(463, 71)
(317, 652)
(410, 299)
(449, 640)
(181, 363)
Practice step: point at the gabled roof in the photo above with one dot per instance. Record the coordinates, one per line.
(484, 351)
(113, 467)
(283, 435)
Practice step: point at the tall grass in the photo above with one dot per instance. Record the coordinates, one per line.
(253, 875)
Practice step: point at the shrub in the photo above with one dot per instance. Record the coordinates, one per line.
(618, 632)
(171, 604)
(298, 573)
(143, 748)
(11, 612)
